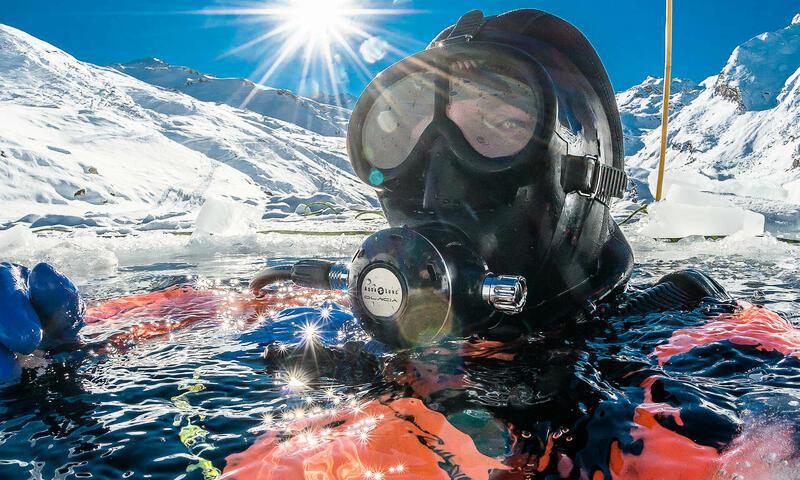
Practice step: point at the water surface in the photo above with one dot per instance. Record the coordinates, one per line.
(176, 405)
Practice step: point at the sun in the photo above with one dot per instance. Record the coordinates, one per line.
(319, 39)
(318, 20)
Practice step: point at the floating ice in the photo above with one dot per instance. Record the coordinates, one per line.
(15, 237)
(224, 217)
(687, 212)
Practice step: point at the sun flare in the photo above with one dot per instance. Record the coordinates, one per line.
(323, 39)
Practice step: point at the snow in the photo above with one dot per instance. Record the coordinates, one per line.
(15, 237)
(757, 69)
(734, 135)
(686, 212)
(321, 118)
(343, 99)
(87, 146)
(224, 217)
(640, 107)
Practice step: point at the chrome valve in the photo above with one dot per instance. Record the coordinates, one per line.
(338, 276)
(506, 293)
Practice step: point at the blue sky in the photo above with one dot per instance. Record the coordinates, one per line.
(628, 34)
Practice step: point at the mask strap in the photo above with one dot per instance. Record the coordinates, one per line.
(466, 28)
(588, 176)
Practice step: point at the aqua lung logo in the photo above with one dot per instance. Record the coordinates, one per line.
(381, 292)
(369, 287)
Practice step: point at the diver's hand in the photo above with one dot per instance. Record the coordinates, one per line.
(39, 308)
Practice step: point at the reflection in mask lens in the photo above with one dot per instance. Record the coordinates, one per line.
(397, 119)
(496, 113)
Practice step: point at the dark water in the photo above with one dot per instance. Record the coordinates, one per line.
(177, 405)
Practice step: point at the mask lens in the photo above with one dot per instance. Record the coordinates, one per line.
(495, 111)
(397, 119)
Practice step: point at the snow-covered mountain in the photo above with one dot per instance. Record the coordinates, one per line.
(344, 100)
(325, 118)
(640, 107)
(78, 139)
(737, 132)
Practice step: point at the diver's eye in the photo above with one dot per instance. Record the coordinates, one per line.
(509, 124)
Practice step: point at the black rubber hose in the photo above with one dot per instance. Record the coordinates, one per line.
(268, 276)
(312, 273)
(305, 273)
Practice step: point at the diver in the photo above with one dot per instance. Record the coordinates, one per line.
(496, 154)
(502, 284)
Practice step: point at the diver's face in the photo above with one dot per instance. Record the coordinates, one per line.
(493, 111)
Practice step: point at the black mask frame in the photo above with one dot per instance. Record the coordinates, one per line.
(438, 61)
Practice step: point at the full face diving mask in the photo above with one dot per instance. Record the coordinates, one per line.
(494, 154)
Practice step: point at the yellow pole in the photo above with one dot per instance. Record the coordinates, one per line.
(665, 103)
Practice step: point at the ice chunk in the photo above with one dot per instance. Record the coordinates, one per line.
(687, 212)
(81, 257)
(223, 217)
(793, 189)
(30, 218)
(15, 237)
(685, 194)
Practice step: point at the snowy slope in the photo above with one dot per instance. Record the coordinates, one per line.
(78, 139)
(343, 100)
(324, 118)
(738, 134)
(640, 107)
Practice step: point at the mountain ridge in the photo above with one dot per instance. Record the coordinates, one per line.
(734, 133)
(82, 140)
(322, 118)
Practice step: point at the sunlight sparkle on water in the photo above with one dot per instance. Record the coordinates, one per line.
(325, 312)
(309, 333)
(295, 383)
(294, 380)
(268, 419)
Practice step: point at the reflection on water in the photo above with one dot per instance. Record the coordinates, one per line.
(171, 402)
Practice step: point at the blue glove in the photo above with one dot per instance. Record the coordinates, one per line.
(38, 309)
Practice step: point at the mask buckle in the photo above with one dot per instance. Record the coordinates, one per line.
(589, 177)
(466, 28)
